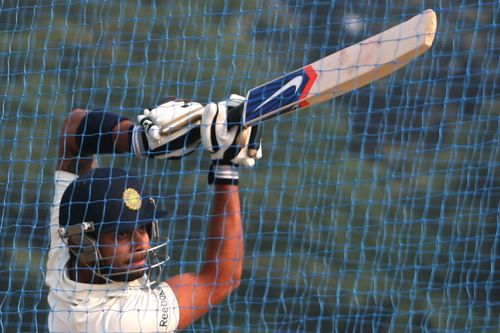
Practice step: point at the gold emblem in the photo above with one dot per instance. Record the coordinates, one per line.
(132, 199)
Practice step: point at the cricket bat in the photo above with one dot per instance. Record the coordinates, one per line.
(332, 76)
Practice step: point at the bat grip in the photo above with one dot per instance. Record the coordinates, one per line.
(235, 116)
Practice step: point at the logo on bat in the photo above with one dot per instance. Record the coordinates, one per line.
(293, 83)
(280, 95)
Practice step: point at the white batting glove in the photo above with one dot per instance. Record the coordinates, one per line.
(155, 135)
(158, 120)
(228, 145)
(249, 142)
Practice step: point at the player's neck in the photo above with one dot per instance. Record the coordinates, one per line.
(84, 275)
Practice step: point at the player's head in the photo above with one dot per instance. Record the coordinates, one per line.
(110, 226)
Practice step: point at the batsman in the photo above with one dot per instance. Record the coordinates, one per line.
(106, 249)
(105, 241)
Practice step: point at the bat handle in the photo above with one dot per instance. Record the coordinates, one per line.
(235, 115)
(235, 118)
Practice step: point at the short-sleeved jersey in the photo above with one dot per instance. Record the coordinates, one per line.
(110, 307)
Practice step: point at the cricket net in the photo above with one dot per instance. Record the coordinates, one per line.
(378, 211)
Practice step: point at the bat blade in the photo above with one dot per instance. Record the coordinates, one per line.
(344, 71)
(332, 76)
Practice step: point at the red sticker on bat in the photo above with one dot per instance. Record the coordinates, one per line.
(312, 75)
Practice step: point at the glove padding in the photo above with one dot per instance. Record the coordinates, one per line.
(229, 142)
(229, 145)
(157, 121)
(155, 124)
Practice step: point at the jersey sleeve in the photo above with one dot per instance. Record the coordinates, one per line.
(58, 253)
(62, 180)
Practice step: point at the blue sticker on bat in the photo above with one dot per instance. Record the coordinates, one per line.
(277, 94)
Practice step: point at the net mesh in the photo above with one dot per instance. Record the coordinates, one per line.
(378, 211)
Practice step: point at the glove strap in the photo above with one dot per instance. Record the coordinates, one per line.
(138, 145)
(224, 174)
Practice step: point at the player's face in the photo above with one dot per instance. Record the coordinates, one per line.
(125, 250)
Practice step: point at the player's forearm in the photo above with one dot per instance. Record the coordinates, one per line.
(74, 158)
(121, 136)
(224, 252)
(68, 155)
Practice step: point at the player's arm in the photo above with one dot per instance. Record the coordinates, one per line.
(221, 272)
(86, 133)
(76, 153)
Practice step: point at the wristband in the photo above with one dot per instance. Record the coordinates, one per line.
(137, 142)
(224, 174)
(95, 132)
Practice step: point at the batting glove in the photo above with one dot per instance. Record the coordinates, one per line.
(155, 135)
(229, 145)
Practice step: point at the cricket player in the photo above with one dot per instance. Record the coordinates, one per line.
(104, 229)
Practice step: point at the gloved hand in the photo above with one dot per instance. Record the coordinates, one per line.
(229, 145)
(157, 137)
(158, 121)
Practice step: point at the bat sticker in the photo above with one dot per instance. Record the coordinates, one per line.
(280, 95)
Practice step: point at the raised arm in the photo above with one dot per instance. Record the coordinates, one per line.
(221, 273)
(85, 133)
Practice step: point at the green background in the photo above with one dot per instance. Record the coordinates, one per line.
(376, 212)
